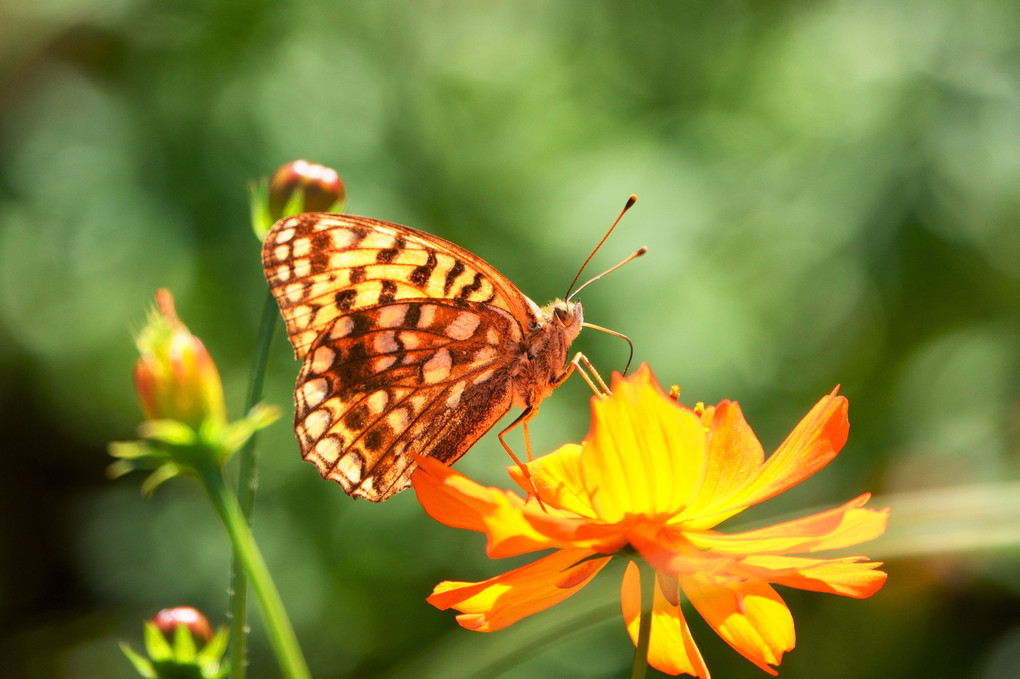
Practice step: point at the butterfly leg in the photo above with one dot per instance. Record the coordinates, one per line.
(527, 440)
(523, 419)
(583, 366)
(603, 390)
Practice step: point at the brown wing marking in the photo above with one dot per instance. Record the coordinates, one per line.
(438, 431)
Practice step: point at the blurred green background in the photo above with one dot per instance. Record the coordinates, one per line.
(830, 192)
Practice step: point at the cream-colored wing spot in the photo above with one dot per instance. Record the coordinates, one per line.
(437, 368)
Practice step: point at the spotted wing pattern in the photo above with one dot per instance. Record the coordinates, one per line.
(408, 343)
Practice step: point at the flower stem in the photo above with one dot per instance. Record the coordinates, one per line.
(645, 629)
(281, 633)
(246, 493)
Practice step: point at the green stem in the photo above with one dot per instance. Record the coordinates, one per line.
(278, 627)
(246, 492)
(645, 629)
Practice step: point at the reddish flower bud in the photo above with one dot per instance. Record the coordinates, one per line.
(168, 619)
(175, 378)
(319, 189)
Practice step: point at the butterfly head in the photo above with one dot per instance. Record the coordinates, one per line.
(566, 316)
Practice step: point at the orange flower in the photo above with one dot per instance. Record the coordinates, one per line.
(654, 478)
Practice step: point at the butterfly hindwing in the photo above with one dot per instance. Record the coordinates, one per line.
(420, 377)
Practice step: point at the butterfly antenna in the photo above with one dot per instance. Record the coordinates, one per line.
(629, 205)
(614, 334)
(634, 255)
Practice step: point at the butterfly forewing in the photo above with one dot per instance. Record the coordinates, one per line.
(411, 345)
(320, 266)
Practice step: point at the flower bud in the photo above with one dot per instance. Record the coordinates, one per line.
(168, 619)
(180, 644)
(175, 378)
(301, 186)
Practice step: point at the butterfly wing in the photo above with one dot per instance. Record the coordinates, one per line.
(408, 341)
(410, 378)
(321, 265)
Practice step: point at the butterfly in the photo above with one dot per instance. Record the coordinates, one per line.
(410, 345)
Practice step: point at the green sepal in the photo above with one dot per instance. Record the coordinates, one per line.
(295, 204)
(184, 644)
(129, 450)
(156, 644)
(258, 199)
(163, 473)
(259, 417)
(209, 658)
(169, 432)
(119, 468)
(142, 665)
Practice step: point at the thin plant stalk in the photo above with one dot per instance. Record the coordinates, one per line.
(249, 558)
(238, 604)
(645, 629)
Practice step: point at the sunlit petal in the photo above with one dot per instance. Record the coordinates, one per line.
(813, 443)
(671, 648)
(851, 576)
(645, 454)
(557, 477)
(734, 458)
(454, 499)
(503, 600)
(749, 615)
(839, 527)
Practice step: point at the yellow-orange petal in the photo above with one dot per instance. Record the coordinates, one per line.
(749, 615)
(839, 527)
(512, 526)
(645, 454)
(850, 576)
(499, 602)
(557, 477)
(813, 443)
(735, 457)
(671, 648)
(455, 500)
(450, 497)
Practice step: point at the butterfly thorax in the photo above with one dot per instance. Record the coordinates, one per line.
(538, 370)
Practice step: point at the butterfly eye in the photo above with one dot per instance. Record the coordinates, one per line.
(563, 315)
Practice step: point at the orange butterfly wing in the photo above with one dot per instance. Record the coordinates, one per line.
(409, 345)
